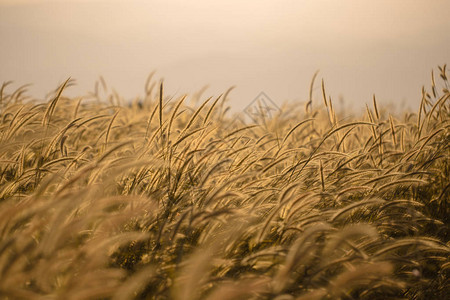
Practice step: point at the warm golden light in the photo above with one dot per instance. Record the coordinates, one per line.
(276, 181)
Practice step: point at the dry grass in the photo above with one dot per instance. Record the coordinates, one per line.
(102, 201)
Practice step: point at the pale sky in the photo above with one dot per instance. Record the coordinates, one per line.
(386, 47)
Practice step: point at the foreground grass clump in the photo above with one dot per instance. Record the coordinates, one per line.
(157, 200)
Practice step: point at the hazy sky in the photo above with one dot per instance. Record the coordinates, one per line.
(386, 47)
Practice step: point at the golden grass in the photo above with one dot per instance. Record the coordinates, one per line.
(101, 201)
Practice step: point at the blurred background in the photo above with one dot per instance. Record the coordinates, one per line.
(383, 47)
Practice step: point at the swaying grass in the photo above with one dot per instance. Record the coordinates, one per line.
(109, 201)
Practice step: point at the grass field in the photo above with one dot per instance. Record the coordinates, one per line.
(160, 200)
